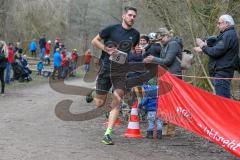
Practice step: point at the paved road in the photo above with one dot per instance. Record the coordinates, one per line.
(30, 130)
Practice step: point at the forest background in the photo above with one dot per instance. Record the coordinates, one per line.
(76, 22)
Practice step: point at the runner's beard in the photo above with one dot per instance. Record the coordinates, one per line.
(129, 23)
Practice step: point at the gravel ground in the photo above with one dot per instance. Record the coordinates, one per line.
(30, 130)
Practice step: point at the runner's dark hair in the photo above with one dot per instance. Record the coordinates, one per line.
(128, 8)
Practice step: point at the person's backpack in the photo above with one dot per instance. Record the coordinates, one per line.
(187, 59)
(187, 56)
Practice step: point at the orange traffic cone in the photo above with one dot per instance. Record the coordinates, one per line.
(133, 130)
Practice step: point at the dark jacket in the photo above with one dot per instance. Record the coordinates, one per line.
(168, 57)
(153, 49)
(223, 54)
(42, 43)
(3, 60)
(133, 57)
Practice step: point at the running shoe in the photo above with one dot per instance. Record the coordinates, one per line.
(107, 140)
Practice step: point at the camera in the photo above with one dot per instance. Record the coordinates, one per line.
(211, 40)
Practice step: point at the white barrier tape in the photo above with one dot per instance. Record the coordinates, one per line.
(205, 77)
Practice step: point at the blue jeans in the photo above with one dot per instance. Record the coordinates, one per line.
(42, 53)
(8, 73)
(86, 67)
(151, 116)
(39, 71)
(73, 68)
(64, 72)
(222, 87)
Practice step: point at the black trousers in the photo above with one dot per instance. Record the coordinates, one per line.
(2, 80)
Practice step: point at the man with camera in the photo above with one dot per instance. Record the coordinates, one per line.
(222, 55)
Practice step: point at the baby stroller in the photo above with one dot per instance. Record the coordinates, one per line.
(21, 72)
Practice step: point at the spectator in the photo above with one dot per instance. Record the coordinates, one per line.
(168, 58)
(64, 64)
(3, 62)
(47, 55)
(18, 54)
(40, 67)
(137, 55)
(169, 53)
(33, 48)
(57, 45)
(9, 63)
(57, 60)
(74, 60)
(42, 46)
(17, 47)
(61, 47)
(87, 60)
(24, 61)
(222, 55)
(27, 71)
(149, 103)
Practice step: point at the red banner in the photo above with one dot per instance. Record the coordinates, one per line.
(212, 117)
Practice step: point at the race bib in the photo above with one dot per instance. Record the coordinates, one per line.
(119, 57)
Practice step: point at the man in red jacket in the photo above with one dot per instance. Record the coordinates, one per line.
(47, 53)
(74, 59)
(87, 60)
(64, 64)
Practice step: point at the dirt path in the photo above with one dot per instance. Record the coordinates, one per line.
(30, 130)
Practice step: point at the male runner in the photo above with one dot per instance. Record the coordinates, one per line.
(120, 37)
